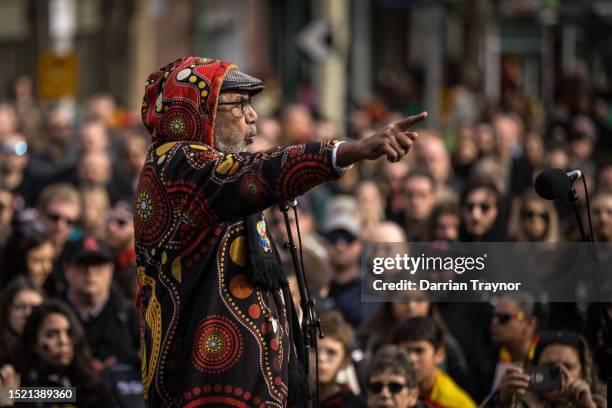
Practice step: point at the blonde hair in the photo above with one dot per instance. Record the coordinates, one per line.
(515, 228)
(58, 193)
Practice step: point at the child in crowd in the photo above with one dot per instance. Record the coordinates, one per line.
(423, 339)
(334, 355)
(391, 380)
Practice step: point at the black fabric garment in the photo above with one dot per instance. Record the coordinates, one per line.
(344, 398)
(347, 299)
(94, 394)
(469, 324)
(114, 332)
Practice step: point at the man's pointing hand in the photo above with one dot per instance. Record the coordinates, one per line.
(394, 141)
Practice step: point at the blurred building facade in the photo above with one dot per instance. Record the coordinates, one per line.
(341, 51)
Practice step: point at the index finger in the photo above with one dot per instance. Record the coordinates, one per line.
(405, 123)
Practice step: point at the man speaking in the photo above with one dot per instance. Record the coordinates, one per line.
(217, 326)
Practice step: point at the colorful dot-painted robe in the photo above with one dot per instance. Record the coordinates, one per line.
(209, 337)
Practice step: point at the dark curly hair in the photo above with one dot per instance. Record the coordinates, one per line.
(80, 370)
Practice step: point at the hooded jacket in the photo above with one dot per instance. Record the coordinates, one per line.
(208, 335)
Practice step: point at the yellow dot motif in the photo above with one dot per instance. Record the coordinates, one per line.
(145, 206)
(213, 344)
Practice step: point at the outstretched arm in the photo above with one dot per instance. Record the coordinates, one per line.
(394, 140)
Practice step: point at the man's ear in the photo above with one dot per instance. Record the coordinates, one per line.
(439, 355)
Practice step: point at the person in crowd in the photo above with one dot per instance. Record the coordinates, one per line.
(133, 153)
(31, 253)
(18, 299)
(297, 124)
(381, 326)
(420, 191)
(394, 177)
(513, 328)
(534, 219)
(423, 340)
(604, 177)
(582, 139)
(7, 212)
(341, 231)
(110, 322)
(466, 152)
(578, 385)
(508, 129)
(8, 120)
(15, 171)
(480, 213)
(56, 158)
(93, 136)
(119, 234)
(334, 354)
(444, 222)
(432, 155)
(371, 204)
(391, 380)
(59, 208)
(96, 204)
(57, 355)
(602, 216)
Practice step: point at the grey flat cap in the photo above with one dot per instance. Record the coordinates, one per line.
(239, 81)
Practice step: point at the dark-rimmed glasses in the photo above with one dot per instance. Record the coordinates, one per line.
(244, 104)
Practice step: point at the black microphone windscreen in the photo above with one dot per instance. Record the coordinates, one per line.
(552, 184)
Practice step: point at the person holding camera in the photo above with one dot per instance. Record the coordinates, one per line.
(565, 376)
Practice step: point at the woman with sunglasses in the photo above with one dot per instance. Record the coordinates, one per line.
(579, 387)
(391, 380)
(534, 220)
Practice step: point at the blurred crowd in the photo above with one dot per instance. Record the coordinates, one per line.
(68, 266)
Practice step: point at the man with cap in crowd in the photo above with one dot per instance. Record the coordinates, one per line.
(341, 231)
(110, 322)
(217, 321)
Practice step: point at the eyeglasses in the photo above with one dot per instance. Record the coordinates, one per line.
(244, 105)
(530, 214)
(393, 387)
(334, 237)
(504, 318)
(484, 207)
(57, 217)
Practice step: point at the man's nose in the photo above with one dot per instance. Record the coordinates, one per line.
(251, 115)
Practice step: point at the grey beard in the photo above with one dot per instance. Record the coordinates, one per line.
(224, 143)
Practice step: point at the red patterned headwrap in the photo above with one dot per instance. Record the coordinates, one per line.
(180, 100)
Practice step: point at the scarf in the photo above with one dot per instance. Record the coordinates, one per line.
(266, 273)
(264, 269)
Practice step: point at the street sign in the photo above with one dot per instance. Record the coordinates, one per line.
(57, 75)
(316, 40)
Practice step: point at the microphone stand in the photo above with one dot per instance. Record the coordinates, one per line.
(310, 322)
(572, 198)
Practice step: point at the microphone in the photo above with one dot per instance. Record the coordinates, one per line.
(555, 183)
